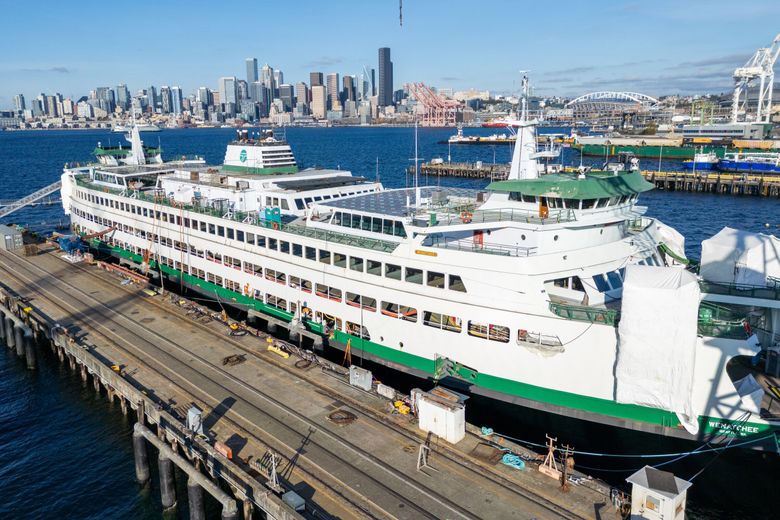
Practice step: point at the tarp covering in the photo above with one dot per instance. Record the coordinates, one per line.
(657, 340)
(740, 257)
(673, 240)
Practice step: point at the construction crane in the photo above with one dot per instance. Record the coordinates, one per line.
(437, 110)
(760, 67)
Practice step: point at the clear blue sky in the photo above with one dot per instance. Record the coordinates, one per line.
(570, 47)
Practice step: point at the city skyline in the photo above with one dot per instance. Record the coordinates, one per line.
(663, 49)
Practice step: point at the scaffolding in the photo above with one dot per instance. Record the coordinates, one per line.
(437, 110)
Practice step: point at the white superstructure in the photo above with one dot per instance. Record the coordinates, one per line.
(513, 292)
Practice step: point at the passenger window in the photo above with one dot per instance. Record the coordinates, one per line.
(356, 264)
(601, 283)
(414, 275)
(392, 271)
(435, 279)
(614, 280)
(374, 267)
(339, 260)
(456, 283)
(324, 256)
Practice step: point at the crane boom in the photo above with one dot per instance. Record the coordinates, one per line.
(759, 67)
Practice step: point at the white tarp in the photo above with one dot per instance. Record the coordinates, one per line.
(750, 393)
(741, 257)
(657, 340)
(673, 240)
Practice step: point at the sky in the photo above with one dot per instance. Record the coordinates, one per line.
(571, 48)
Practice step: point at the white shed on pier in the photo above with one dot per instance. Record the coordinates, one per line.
(657, 495)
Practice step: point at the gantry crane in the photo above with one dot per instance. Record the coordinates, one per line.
(760, 67)
(437, 110)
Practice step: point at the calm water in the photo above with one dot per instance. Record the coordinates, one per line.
(66, 454)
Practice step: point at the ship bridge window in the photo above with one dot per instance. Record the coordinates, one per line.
(356, 264)
(299, 204)
(571, 203)
(554, 202)
(456, 283)
(602, 203)
(398, 229)
(435, 279)
(615, 280)
(297, 250)
(392, 271)
(230, 233)
(374, 267)
(588, 203)
(339, 260)
(414, 275)
(311, 253)
(442, 321)
(285, 204)
(250, 238)
(284, 247)
(324, 256)
(601, 283)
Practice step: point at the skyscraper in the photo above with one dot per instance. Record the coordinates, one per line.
(204, 96)
(251, 70)
(319, 103)
(166, 100)
(348, 93)
(19, 104)
(286, 94)
(176, 100)
(227, 90)
(122, 96)
(315, 78)
(301, 95)
(385, 78)
(332, 81)
(242, 88)
(151, 98)
(267, 78)
(278, 80)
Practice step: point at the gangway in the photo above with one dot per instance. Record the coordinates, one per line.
(29, 199)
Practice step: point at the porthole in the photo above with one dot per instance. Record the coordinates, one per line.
(601, 231)
(522, 237)
(555, 237)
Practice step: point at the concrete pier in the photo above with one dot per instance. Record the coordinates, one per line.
(141, 456)
(161, 361)
(10, 340)
(167, 482)
(195, 499)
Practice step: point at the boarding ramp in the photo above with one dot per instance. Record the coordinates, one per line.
(29, 199)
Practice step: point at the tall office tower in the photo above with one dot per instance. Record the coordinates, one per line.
(67, 107)
(287, 95)
(19, 104)
(242, 89)
(315, 78)
(51, 103)
(348, 93)
(385, 78)
(267, 78)
(278, 80)
(122, 96)
(43, 103)
(228, 90)
(176, 99)
(203, 96)
(105, 98)
(373, 82)
(151, 98)
(301, 95)
(332, 82)
(251, 70)
(319, 102)
(166, 102)
(262, 96)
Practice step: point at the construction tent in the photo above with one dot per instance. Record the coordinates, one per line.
(657, 340)
(740, 257)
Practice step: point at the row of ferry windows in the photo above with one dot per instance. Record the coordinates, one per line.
(393, 271)
(395, 310)
(604, 282)
(554, 202)
(366, 223)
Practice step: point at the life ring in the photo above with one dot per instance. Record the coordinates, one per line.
(522, 334)
(275, 225)
(465, 216)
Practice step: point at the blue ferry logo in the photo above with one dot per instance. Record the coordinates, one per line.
(242, 156)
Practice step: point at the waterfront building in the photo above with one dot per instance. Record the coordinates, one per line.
(251, 70)
(122, 96)
(385, 77)
(319, 101)
(332, 82)
(176, 99)
(19, 104)
(228, 90)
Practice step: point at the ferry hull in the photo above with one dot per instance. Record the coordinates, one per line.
(647, 152)
(727, 165)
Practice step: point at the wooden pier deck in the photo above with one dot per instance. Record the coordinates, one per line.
(152, 355)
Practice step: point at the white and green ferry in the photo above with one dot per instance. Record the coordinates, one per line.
(513, 292)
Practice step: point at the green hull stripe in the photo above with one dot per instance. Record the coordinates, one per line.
(260, 171)
(487, 381)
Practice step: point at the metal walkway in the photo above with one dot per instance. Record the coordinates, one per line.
(29, 199)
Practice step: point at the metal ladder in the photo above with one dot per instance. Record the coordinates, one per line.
(29, 199)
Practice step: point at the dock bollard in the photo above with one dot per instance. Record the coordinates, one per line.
(195, 497)
(141, 456)
(167, 484)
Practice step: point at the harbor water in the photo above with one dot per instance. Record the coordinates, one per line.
(64, 453)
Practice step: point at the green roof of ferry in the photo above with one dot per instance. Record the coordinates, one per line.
(595, 185)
